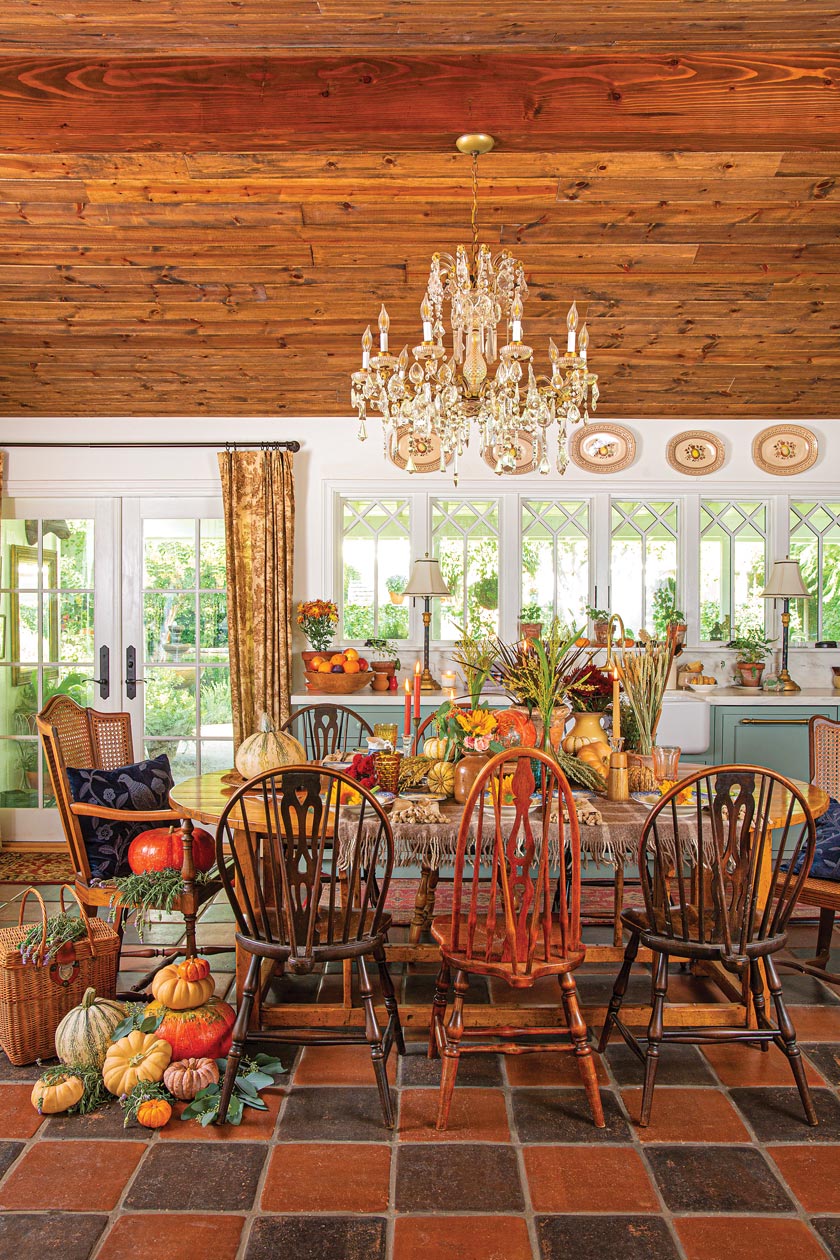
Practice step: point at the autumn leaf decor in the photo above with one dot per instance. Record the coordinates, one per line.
(254, 1075)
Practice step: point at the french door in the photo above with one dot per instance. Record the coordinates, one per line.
(120, 603)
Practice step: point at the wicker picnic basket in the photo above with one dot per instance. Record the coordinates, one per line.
(35, 996)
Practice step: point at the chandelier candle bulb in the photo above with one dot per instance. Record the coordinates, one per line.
(571, 324)
(367, 343)
(583, 342)
(426, 317)
(384, 325)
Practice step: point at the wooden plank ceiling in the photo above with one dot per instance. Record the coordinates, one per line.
(204, 203)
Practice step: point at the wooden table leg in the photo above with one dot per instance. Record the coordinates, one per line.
(424, 902)
(618, 900)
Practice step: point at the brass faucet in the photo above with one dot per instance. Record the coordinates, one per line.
(613, 618)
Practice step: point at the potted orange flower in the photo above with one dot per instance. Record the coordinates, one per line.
(317, 619)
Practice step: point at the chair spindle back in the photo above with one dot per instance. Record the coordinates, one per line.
(327, 728)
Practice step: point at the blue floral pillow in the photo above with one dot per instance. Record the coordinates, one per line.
(145, 785)
(827, 852)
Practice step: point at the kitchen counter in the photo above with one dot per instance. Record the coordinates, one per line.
(754, 695)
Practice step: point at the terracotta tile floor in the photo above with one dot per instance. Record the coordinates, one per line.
(726, 1170)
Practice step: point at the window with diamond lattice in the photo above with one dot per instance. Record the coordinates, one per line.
(733, 546)
(815, 543)
(375, 564)
(465, 539)
(643, 561)
(555, 557)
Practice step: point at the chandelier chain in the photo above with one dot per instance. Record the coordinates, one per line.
(474, 217)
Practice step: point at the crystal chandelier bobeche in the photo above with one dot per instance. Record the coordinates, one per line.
(441, 397)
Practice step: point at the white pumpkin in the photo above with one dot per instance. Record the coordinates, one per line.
(268, 749)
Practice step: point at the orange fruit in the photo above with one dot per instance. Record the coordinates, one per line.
(316, 662)
(351, 667)
(324, 667)
(350, 654)
(337, 659)
(582, 642)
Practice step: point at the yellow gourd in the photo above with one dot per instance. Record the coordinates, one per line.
(61, 1095)
(136, 1057)
(435, 748)
(573, 743)
(441, 778)
(183, 986)
(269, 749)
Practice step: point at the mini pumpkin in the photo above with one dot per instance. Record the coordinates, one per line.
(49, 1099)
(183, 986)
(573, 743)
(83, 1036)
(435, 748)
(441, 778)
(135, 1057)
(186, 1077)
(596, 755)
(154, 1113)
(641, 778)
(268, 749)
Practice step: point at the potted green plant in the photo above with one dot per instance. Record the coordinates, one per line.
(665, 612)
(530, 621)
(600, 619)
(384, 662)
(395, 586)
(752, 650)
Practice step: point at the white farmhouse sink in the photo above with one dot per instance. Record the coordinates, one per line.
(685, 722)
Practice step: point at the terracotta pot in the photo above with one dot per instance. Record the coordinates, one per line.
(601, 628)
(383, 672)
(396, 597)
(586, 727)
(750, 672)
(467, 771)
(530, 629)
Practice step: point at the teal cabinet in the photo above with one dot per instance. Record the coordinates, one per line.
(775, 736)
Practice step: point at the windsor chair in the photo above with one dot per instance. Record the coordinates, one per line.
(327, 728)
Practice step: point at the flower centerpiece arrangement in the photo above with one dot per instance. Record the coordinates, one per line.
(536, 674)
(589, 690)
(318, 619)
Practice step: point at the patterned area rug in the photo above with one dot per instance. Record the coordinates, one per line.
(35, 868)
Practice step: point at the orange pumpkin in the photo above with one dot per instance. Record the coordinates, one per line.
(162, 849)
(154, 1113)
(204, 1032)
(181, 986)
(596, 755)
(515, 727)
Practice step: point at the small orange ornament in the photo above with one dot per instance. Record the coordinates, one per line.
(154, 1113)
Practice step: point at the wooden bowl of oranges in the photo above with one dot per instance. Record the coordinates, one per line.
(338, 673)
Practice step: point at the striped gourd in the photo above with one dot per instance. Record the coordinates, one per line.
(83, 1036)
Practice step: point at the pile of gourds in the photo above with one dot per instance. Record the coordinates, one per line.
(592, 752)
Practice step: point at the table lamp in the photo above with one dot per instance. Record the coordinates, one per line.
(426, 583)
(786, 583)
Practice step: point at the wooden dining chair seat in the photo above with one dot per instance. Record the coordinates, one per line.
(730, 908)
(515, 915)
(296, 907)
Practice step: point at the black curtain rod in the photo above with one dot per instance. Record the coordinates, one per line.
(153, 446)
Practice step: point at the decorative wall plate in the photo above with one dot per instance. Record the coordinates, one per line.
(602, 448)
(426, 452)
(785, 449)
(525, 462)
(695, 453)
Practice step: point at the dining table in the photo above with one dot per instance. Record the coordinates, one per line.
(610, 838)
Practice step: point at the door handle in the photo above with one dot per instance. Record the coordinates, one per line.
(774, 721)
(103, 682)
(131, 679)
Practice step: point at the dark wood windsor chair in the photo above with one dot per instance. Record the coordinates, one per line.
(732, 910)
(504, 919)
(294, 906)
(327, 728)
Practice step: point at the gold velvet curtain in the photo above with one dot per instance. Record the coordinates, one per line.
(259, 504)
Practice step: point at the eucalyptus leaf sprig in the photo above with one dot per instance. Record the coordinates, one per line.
(61, 929)
(137, 1021)
(254, 1075)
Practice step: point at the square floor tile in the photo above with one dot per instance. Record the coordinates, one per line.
(416, 1068)
(741, 1065)
(777, 1115)
(812, 1173)
(549, 1067)
(588, 1179)
(44, 1235)
(827, 1060)
(316, 1238)
(340, 1065)
(18, 1118)
(816, 1023)
(687, 1115)
(335, 1177)
(802, 990)
(24, 1072)
(256, 1125)
(828, 1228)
(563, 1115)
(178, 1236)
(476, 1115)
(100, 1171)
(746, 1238)
(9, 1152)
(106, 1122)
(420, 989)
(464, 1237)
(716, 1179)
(457, 1177)
(198, 1176)
(596, 1237)
(332, 1114)
(678, 1065)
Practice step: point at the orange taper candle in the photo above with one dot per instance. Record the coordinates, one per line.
(417, 691)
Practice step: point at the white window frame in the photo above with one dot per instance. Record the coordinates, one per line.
(735, 501)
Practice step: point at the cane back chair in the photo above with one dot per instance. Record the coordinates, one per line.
(731, 910)
(86, 738)
(296, 904)
(510, 919)
(824, 761)
(323, 729)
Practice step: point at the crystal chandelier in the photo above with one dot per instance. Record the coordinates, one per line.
(440, 395)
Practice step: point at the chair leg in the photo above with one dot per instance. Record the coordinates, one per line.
(619, 990)
(756, 983)
(389, 997)
(454, 1031)
(438, 1009)
(240, 1032)
(824, 934)
(374, 1039)
(788, 1035)
(654, 1036)
(583, 1050)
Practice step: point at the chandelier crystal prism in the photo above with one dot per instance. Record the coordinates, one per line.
(432, 398)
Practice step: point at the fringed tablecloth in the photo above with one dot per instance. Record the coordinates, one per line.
(613, 842)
